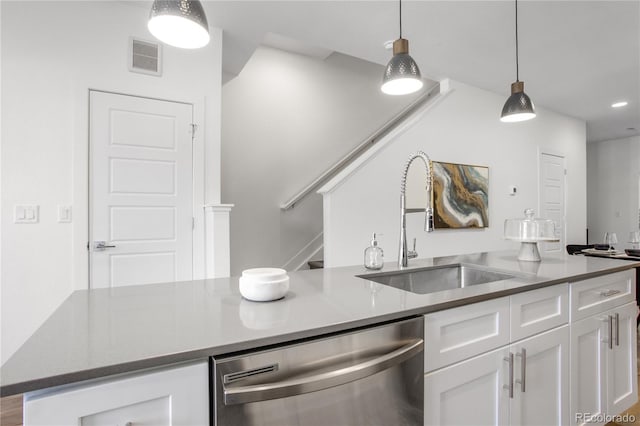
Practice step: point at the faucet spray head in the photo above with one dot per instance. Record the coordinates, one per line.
(428, 220)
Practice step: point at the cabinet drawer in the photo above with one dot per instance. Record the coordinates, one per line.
(595, 295)
(539, 310)
(460, 333)
(174, 396)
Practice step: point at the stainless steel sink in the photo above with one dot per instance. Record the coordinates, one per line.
(437, 278)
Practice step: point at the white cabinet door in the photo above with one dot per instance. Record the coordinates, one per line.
(541, 379)
(604, 366)
(589, 342)
(622, 366)
(469, 393)
(176, 396)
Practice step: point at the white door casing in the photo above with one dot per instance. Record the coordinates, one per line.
(141, 190)
(552, 197)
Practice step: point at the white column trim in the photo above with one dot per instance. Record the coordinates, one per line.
(219, 207)
(217, 240)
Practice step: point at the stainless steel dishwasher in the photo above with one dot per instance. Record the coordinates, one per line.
(371, 376)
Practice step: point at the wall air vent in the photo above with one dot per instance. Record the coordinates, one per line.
(145, 57)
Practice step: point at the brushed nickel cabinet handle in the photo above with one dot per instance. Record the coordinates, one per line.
(523, 370)
(609, 293)
(617, 329)
(509, 359)
(610, 332)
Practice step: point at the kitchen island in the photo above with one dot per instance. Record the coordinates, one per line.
(99, 333)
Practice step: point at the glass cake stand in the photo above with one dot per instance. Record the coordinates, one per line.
(529, 231)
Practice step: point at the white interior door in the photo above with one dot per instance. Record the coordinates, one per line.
(552, 187)
(141, 190)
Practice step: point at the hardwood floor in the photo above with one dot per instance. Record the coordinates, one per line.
(11, 411)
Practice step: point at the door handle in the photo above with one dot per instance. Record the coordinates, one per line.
(315, 382)
(523, 369)
(617, 318)
(101, 246)
(509, 359)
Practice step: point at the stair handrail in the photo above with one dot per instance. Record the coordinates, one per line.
(362, 147)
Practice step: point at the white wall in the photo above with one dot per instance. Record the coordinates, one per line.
(286, 119)
(612, 189)
(462, 128)
(52, 53)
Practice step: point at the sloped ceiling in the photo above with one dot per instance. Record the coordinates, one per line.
(576, 57)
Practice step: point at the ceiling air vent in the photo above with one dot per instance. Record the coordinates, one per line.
(145, 57)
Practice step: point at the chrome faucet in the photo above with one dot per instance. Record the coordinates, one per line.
(404, 254)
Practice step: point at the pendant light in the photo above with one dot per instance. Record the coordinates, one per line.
(402, 75)
(179, 23)
(519, 106)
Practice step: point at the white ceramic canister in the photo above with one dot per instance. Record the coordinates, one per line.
(264, 284)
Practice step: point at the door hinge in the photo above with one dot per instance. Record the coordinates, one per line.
(194, 129)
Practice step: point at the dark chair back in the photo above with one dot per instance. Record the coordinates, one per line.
(577, 248)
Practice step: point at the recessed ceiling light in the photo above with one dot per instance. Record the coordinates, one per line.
(619, 104)
(388, 44)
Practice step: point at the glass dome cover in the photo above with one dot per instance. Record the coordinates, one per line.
(530, 229)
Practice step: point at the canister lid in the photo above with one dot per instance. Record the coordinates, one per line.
(264, 274)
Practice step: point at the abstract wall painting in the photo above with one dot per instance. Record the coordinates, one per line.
(460, 196)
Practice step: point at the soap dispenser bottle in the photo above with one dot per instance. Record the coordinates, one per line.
(373, 255)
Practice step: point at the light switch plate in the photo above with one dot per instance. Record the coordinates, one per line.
(64, 214)
(26, 214)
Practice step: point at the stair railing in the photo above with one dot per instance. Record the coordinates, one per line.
(362, 147)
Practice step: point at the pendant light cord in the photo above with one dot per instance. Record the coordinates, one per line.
(400, 13)
(517, 65)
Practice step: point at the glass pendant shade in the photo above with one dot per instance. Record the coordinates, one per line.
(519, 106)
(402, 75)
(179, 23)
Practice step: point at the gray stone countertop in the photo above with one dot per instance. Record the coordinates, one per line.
(97, 333)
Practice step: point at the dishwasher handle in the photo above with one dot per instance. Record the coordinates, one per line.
(316, 382)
